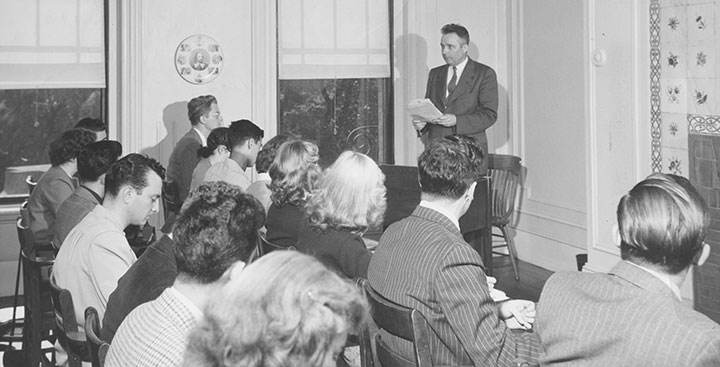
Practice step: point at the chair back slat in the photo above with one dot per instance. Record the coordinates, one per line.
(97, 347)
(402, 322)
(66, 328)
(504, 171)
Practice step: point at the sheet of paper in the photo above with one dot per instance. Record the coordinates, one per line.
(423, 110)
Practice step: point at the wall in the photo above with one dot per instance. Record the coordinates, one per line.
(551, 226)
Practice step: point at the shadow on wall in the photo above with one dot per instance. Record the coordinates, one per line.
(176, 122)
(410, 83)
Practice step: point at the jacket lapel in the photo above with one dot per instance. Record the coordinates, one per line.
(467, 79)
(441, 87)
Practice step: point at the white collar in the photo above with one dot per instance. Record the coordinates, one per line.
(458, 68)
(263, 177)
(663, 278)
(203, 139)
(437, 208)
(194, 309)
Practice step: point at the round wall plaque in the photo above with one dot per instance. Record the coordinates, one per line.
(199, 59)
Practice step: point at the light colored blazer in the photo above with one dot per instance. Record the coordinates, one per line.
(625, 318)
(423, 262)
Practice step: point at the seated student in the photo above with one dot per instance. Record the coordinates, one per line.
(245, 142)
(93, 161)
(214, 234)
(204, 115)
(260, 189)
(423, 262)
(634, 315)
(285, 309)
(95, 125)
(215, 151)
(95, 254)
(293, 175)
(55, 185)
(349, 199)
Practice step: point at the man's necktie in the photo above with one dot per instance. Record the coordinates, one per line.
(453, 82)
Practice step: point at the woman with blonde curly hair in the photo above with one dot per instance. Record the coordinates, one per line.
(265, 318)
(349, 199)
(293, 174)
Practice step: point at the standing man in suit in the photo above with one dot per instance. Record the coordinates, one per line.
(634, 315)
(423, 262)
(465, 91)
(204, 116)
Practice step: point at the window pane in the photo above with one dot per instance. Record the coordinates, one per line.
(30, 120)
(337, 114)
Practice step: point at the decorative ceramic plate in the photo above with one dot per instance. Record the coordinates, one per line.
(199, 59)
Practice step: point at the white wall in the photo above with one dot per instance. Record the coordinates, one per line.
(551, 227)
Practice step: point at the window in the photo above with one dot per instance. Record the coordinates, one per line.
(52, 74)
(335, 85)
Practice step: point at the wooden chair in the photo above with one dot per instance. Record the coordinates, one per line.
(98, 348)
(266, 247)
(71, 339)
(401, 322)
(38, 321)
(8, 330)
(504, 171)
(30, 183)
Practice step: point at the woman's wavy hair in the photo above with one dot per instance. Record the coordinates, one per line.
(218, 136)
(294, 172)
(349, 195)
(285, 309)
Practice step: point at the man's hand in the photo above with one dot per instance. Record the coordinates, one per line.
(446, 120)
(517, 313)
(418, 125)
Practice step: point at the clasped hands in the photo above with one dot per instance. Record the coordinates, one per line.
(517, 313)
(446, 120)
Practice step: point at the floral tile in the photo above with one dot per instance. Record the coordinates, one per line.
(675, 160)
(675, 130)
(701, 23)
(673, 25)
(673, 95)
(700, 60)
(673, 61)
(701, 96)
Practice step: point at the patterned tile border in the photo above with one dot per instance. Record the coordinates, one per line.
(655, 117)
(703, 124)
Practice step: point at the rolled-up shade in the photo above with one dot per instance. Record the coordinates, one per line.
(52, 44)
(333, 39)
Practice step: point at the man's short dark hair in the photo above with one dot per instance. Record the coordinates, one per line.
(449, 166)
(199, 106)
(267, 154)
(461, 31)
(68, 145)
(662, 221)
(242, 130)
(131, 170)
(96, 159)
(91, 124)
(217, 226)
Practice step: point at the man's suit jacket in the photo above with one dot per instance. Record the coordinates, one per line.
(474, 102)
(422, 262)
(625, 318)
(183, 160)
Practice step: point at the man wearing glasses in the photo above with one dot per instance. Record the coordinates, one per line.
(204, 116)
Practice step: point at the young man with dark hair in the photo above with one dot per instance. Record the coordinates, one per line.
(245, 142)
(55, 185)
(214, 235)
(634, 315)
(95, 125)
(204, 116)
(423, 262)
(259, 189)
(95, 254)
(92, 162)
(465, 91)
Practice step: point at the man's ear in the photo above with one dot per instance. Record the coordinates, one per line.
(101, 179)
(470, 193)
(127, 192)
(702, 255)
(234, 271)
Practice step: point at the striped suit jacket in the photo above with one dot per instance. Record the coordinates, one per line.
(423, 262)
(625, 318)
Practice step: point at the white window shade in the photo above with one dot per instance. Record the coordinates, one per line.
(52, 44)
(333, 39)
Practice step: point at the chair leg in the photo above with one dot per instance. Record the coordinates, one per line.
(17, 291)
(511, 250)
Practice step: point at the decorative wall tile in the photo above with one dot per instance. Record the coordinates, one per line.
(673, 25)
(673, 95)
(700, 59)
(700, 23)
(701, 96)
(666, 3)
(675, 130)
(675, 161)
(674, 61)
(703, 125)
